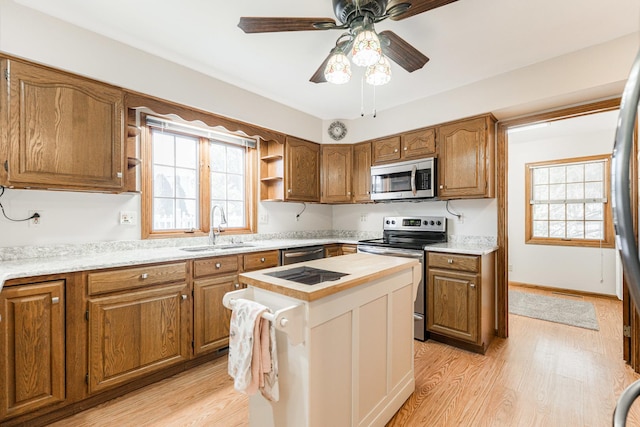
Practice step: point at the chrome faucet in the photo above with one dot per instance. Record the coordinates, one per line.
(223, 220)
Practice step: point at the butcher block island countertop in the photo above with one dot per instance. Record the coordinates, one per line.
(345, 351)
(360, 268)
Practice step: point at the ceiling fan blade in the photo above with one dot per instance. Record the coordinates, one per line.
(318, 76)
(272, 25)
(402, 53)
(417, 7)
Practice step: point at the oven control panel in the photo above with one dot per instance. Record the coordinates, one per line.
(415, 223)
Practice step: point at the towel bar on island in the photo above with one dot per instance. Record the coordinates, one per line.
(289, 320)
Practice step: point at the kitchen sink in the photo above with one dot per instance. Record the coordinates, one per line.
(216, 247)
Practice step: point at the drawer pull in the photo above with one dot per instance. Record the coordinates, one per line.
(55, 300)
(144, 275)
(450, 261)
(237, 286)
(218, 265)
(472, 285)
(262, 259)
(184, 297)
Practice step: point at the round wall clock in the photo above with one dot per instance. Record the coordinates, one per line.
(337, 130)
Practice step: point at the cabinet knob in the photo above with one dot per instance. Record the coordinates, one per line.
(395, 150)
(118, 174)
(289, 190)
(184, 297)
(237, 286)
(144, 275)
(262, 259)
(441, 187)
(218, 265)
(405, 148)
(450, 261)
(348, 193)
(55, 300)
(472, 285)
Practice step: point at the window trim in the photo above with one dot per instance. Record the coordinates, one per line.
(609, 237)
(251, 201)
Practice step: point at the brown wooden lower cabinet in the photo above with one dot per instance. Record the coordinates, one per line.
(211, 318)
(339, 249)
(32, 365)
(460, 299)
(136, 333)
(130, 326)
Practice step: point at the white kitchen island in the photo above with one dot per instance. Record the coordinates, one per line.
(345, 350)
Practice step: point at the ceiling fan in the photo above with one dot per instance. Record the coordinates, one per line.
(367, 47)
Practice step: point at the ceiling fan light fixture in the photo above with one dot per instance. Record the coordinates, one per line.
(366, 48)
(338, 69)
(379, 73)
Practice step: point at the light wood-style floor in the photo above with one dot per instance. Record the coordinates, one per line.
(545, 374)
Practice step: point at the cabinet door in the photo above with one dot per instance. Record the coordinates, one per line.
(32, 365)
(136, 333)
(64, 131)
(386, 150)
(302, 170)
(332, 250)
(211, 318)
(362, 172)
(453, 304)
(336, 173)
(419, 144)
(465, 163)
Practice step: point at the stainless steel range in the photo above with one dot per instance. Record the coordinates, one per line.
(407, 236)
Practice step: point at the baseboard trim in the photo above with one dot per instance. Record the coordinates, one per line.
(562, 290)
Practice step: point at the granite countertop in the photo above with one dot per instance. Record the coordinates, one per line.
(69, 263)
(100, 256)
(467, 248)
(359, 268)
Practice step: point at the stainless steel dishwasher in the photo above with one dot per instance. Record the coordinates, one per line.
(306, 253)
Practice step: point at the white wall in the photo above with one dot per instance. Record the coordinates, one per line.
(576, 268)
(479, 217)
(595, 72)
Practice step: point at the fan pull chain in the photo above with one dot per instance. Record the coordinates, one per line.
(374, 103)
(362, 97)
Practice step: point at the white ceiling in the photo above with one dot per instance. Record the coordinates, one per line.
(467, 41)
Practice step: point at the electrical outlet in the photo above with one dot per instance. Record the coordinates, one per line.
(363, 217)
(510, 267)
(35, 222)
(127, 217)
(263, 218)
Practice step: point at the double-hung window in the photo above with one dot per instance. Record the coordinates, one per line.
(187, 171)
(568, 202)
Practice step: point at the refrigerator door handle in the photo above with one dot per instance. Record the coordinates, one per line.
(622, 216)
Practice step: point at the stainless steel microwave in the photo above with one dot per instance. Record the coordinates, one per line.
(413, 179)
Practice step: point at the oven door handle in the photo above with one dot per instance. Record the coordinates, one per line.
(388, 252)
(413, 179)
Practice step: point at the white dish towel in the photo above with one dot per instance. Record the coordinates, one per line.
(253, 360)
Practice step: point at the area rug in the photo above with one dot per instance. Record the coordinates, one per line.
(560, 310)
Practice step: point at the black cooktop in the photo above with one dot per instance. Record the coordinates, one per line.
(307, 275)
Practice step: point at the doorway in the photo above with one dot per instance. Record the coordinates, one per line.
(503, 192)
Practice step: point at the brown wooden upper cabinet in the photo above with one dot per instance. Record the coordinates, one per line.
(302, 170)
(385, 150)
(466, 158)
(361, 187)
(337, 161)
(416, 144)
(62, 131)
